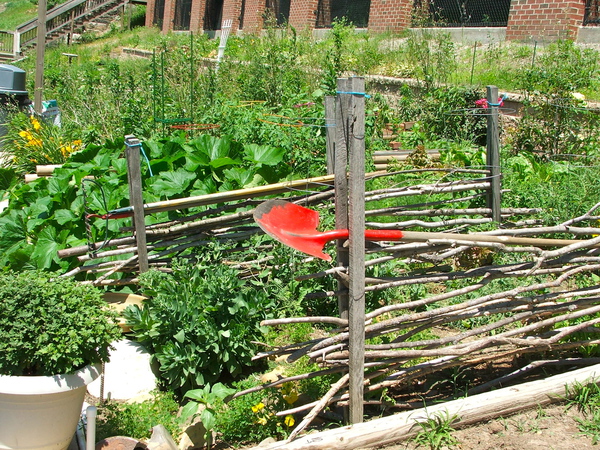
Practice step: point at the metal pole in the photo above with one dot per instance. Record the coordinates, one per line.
(134, 174)
(494, 197)
(40, 53)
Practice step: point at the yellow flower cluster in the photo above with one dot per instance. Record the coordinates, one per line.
(290, 395)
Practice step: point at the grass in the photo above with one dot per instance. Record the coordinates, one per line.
(15, 12)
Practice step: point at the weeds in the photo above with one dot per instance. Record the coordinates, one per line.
(436, 431)
(586, 398)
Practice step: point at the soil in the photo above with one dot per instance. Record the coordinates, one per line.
(548, 428)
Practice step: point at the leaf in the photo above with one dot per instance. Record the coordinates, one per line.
(221, 391)
(172, 183)
(46, 248)
(63, 216)
(207, 416)
(264, 154)
(180, 337)
(227, 161)
(190, 409)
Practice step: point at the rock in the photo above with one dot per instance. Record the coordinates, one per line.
(127, 375)
(193, 436)
(120, 443)
(267, 441)
(161, 439)
(495, 427)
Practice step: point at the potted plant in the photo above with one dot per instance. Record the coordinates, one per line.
(54, 333)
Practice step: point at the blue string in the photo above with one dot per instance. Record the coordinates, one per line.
(144, 155)
(504, 97)
(147, 160)
(354, 93)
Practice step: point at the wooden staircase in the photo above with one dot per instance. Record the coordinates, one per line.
(66, 18)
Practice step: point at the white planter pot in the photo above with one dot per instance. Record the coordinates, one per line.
(41, 413)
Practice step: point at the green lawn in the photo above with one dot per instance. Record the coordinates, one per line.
(15, 12)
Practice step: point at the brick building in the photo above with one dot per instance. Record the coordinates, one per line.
(523, 19)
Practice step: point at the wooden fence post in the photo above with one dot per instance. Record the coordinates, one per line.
(134, 175)
(341, 184)
(330, 133)
(494, 196)
(356, 267)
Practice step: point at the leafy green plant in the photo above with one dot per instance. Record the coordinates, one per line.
(199, 322)
(203, 403)
(137, 419)
(436, 431)
(47, 215)
(51, 325)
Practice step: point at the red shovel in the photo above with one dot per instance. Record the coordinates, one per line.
(296, 227)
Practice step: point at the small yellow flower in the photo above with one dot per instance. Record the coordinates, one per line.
(26, 135)
(262, 420)
(289, 420)
(36, 124)
(291, 398)
(259, 407)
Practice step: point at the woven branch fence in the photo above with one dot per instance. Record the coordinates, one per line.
(517, 300)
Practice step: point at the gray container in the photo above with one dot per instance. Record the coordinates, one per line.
(12, 80)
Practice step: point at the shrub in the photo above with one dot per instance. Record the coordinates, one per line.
(199, 322)
(51, 326)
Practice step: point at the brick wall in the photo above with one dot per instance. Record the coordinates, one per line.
(254, 16)
(390, 15)
(150, 6)
(303, 13)
(232, 9)
(169, 16)
(544, 19)
(197, 15)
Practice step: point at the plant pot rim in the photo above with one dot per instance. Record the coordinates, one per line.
(36, 385)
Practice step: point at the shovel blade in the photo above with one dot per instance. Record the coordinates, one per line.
(292, 225)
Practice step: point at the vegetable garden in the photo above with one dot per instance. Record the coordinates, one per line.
(226, 302)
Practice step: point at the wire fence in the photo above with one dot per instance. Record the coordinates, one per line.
(592, 12)
(457, 13)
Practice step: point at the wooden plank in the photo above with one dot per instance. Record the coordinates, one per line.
(132, 153)
(341, 185)
(493, 154)
(470, 410)
(356, 267)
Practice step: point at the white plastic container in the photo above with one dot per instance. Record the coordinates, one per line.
(41, 413)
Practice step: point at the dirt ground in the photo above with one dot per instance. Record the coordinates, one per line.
(549, 428)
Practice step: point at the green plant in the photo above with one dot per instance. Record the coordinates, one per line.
(137, 419)
(199, 321)
(203, 402)
(46, 215)
(51, 325)
(586, 398)
(31, 141)
(436, 431)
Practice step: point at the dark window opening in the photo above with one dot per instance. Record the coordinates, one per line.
(183, 13)
(356, 12)
(279, 10)
(592, 12)
(467, 13)
(213, 15)
(159, 13)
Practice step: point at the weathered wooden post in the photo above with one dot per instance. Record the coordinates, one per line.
(356, 226)
(330, 134)
(342, 105)
(134, 175)
(494, 196)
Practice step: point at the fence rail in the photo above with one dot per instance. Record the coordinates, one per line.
(60, 20)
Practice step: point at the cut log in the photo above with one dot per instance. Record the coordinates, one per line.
(470, 410)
